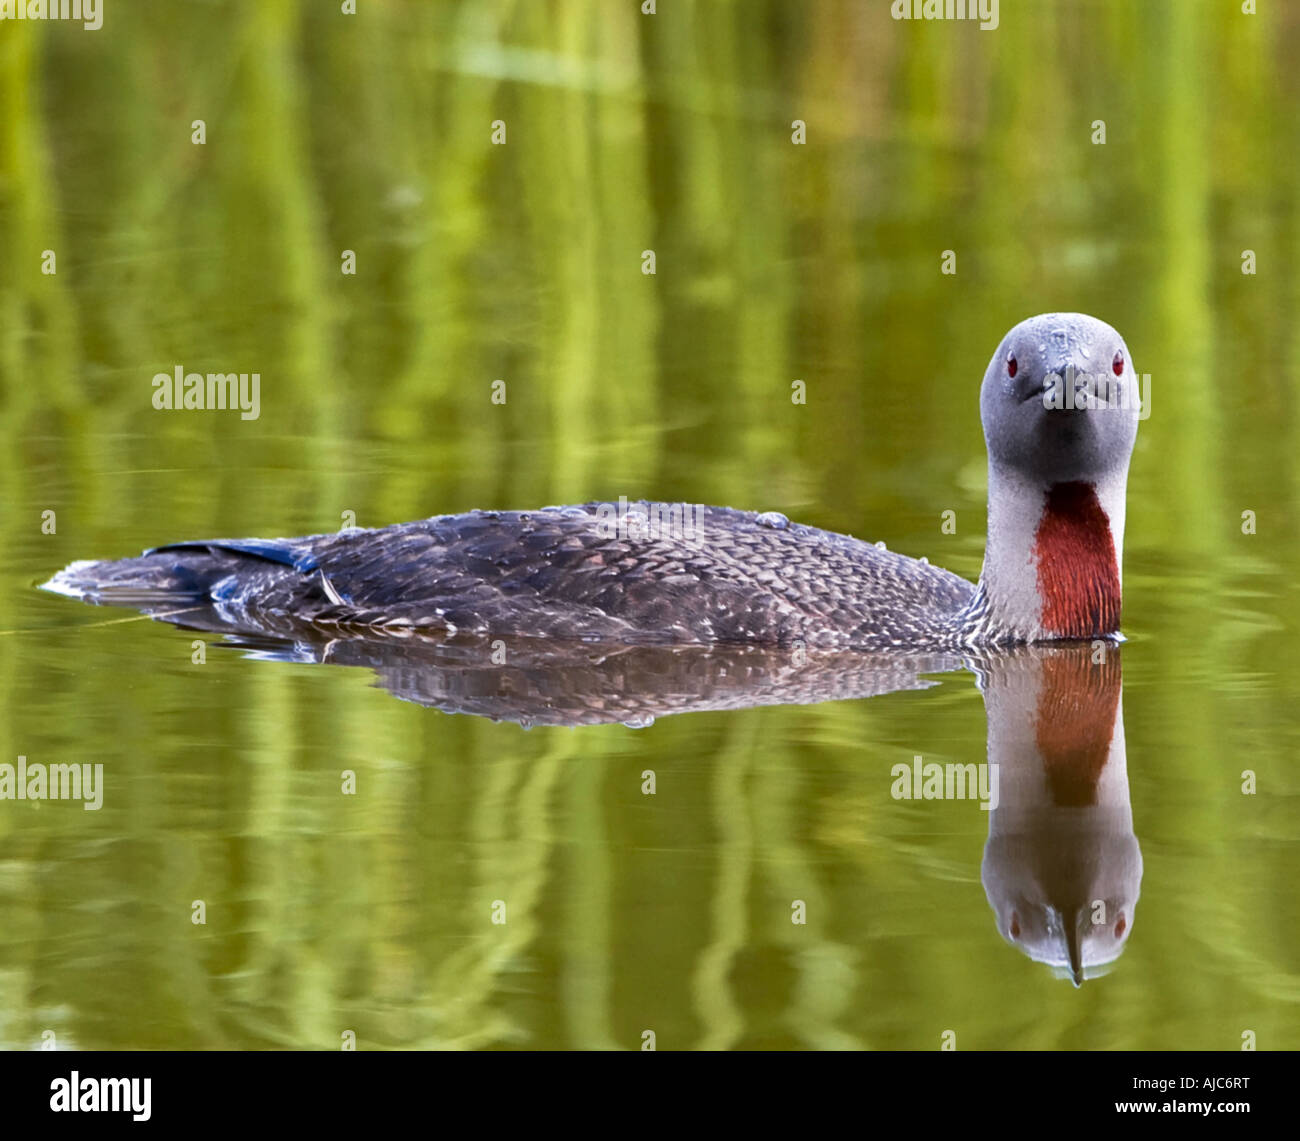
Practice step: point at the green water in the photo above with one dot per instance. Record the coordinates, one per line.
(522, 262)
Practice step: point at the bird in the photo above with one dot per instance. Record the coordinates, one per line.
(1059, 412)
(1062, 866)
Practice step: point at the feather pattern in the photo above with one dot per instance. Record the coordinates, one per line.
(734, 577)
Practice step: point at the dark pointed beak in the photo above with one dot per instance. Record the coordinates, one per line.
(1075, 950)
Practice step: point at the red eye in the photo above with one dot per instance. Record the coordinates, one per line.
(1011, 364)
(1118, 364)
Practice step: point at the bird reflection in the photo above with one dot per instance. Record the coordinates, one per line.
(548, 681)
(1061, 867)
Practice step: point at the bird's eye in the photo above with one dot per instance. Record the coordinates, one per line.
(1011, 364)
(1117, 365)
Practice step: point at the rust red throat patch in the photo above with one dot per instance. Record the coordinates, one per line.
(1078, 574)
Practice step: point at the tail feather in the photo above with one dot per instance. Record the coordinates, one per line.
(130, 582)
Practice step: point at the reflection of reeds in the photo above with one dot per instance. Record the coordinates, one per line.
(522, 262)
(34, 307)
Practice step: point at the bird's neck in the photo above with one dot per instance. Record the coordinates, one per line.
(1052, 564)
(1056, 729)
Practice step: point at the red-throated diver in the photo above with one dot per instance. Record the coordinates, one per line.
(1057, 471)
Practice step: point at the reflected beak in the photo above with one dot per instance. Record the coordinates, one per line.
(1075, 950)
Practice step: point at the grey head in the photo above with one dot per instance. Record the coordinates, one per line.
(1065, 891)
(1060, 400)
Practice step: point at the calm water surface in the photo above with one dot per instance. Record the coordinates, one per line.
(627, 912)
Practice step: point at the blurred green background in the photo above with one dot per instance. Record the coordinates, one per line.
(523, 262)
